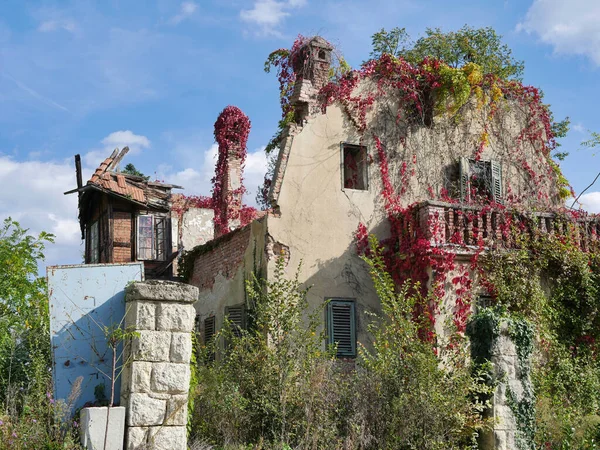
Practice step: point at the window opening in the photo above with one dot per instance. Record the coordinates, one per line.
(94, 244)
(354, 167)
(480, 180)
(145, 237)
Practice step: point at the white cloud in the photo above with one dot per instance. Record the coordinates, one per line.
(570, 27)
(269, 14)
(32, 194)
(116, 139)
(590, 202)
(579, 128)
(186, 9)
(59, 24)
(197, 180)
(122, 138)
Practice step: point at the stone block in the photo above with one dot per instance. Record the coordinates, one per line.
(175, 317)
(161, 290)
(137, 438)
(171, 378)
(140, 376)
(145, 411)
(93, 427)
(504, 419)
(172, 438)
(141, 315)
(177, 410)
(181, 347)
(152, 346)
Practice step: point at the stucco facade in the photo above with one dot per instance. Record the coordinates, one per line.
(315, 214)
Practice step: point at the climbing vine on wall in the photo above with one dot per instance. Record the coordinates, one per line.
(231, 133)
(425, 92)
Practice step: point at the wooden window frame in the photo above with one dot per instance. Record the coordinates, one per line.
(159, 238)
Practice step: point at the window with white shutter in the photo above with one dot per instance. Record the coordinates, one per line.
(480, 180)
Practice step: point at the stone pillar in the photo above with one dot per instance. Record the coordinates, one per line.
(514, 390)
(156, 378)
(510, 382)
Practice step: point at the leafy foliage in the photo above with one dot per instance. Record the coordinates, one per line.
(481, 46)
(274, 385)
(559, 291)
(421, 405)
(30, 417)
(24, 317)
(265, 388)
(132, 170)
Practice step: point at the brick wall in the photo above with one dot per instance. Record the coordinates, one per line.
(225, 258)
(122, 224)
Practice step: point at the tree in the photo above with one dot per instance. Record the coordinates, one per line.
(24, 317)
(130, 169)
(481, 46)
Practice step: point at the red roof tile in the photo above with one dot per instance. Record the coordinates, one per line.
(115, 182)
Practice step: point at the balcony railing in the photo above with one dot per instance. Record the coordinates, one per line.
(446, 224)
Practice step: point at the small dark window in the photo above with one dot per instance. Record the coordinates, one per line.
(94, 243)
(209, 335)
(321, 54)
(209, 330)
(161, 232)
(354, 160)
(480, 180)
(341, 326)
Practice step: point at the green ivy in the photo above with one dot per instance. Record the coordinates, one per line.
(551, 289)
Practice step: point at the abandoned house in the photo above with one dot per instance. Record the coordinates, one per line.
(126, 218)
(355, 160)
(438, 178)
(343, 172)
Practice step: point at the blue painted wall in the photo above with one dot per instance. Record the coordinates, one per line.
(84, 299)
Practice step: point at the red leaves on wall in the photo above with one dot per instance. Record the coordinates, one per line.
(231, 133)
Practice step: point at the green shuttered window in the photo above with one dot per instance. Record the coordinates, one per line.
(341, 326)
(237, 317)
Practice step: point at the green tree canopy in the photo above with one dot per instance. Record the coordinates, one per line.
(130, 169)
(24, 316)
(481, 46)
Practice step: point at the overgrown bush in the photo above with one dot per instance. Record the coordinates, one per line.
(275, 385)
(29, 416)
(558, 290)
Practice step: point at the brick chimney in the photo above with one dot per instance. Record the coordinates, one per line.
(231, 133)
(311, 64)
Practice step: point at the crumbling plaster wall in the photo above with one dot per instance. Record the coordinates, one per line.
(196, 227)
(318, 218)
(432, 153)
(221, 273)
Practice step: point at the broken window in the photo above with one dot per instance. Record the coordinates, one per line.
(354, 161)
(341, 326)
(94, 244)
(480, 180)
(152, 237)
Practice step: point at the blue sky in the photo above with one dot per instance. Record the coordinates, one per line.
(86, 77)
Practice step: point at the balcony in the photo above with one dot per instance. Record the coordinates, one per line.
(470, 226)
